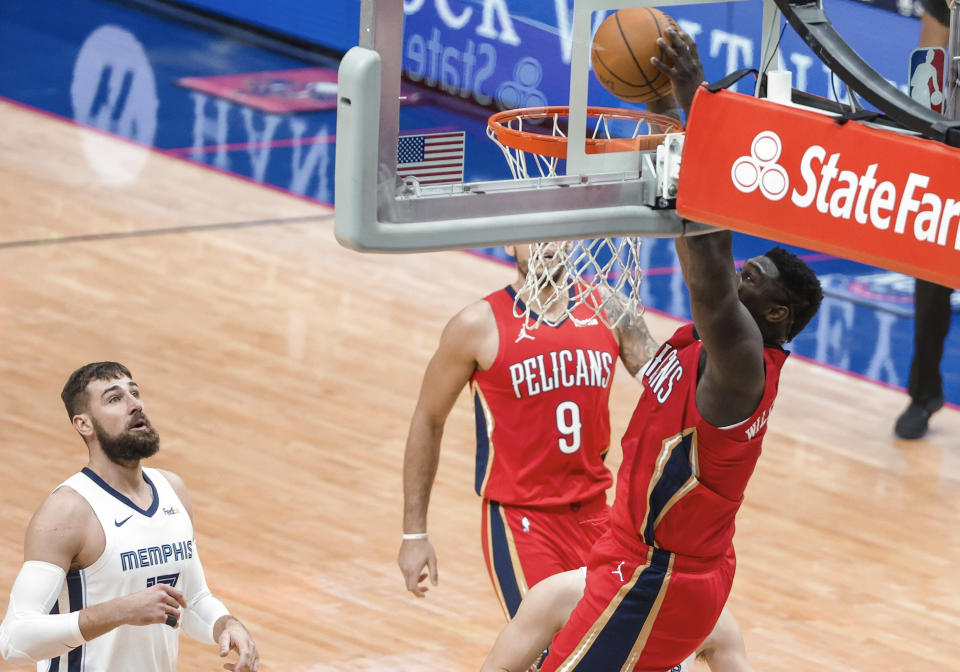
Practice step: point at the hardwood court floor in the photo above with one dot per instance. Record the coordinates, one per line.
(281, 370)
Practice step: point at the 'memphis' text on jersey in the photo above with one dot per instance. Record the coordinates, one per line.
(156, 555)
(561, 368)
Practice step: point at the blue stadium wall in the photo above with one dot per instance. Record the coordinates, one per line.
(472, 47)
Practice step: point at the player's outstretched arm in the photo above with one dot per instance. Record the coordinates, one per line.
(544, 610)
(637, 346)
(732, 378)
(63, 532)
(465, 339)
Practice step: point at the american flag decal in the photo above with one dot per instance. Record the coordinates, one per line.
(432, 158)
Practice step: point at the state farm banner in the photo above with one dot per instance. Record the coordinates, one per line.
(799, 177)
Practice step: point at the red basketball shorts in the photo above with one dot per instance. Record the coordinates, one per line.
(524, 545)
(641, 611)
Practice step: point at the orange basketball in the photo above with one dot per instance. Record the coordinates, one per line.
(621, 53)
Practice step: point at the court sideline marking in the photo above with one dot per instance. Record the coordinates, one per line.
(143, 233)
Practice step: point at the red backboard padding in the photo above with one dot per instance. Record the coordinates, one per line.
(799, 177)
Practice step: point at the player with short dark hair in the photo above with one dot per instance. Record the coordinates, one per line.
(111, 571)
(657, 581)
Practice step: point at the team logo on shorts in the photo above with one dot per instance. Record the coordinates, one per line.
(619, 570)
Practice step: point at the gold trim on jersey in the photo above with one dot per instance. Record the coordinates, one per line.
(514, 556)
(666, 449)
(491, 562)
(515, 565)
(591, 634)
(644, 635)
(491, 425)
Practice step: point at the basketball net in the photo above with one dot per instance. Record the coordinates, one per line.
(585, 281)
(600, 277)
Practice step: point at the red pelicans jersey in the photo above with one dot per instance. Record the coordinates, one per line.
(682, 479)
(543, 425)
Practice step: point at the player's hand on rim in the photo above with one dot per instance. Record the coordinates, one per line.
(686, 73)
(236, 638)
(414, 556)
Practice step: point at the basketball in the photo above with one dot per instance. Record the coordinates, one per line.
(621, 52)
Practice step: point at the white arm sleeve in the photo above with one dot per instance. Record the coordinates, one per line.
(29, 631)
(203, 609)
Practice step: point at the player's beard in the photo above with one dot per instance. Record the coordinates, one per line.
(129, 445)
(554, 273)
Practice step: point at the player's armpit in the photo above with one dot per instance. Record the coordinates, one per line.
(29, 631)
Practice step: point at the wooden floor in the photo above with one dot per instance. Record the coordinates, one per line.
(281, 370)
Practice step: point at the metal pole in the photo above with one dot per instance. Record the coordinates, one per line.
(952, 103)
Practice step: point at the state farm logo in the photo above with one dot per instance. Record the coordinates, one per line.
(846, 190)
(761, 169)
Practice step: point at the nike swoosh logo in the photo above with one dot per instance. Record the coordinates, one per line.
(118, 524)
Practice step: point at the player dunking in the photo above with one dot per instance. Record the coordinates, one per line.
(111, 571)
(689, 450)
(540, 444)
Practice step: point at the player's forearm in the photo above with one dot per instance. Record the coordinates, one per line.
(420, 462)
(100, 619)
(707, 265)
(36, 637)
(666, 106)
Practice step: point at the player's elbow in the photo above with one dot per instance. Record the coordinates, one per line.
(10, 644)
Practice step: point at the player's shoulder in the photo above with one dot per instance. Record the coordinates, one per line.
(471, 323)
(478, 314)
(64, 504)
(179, 487)
(172, 478)
(472, 334)
(62, 521)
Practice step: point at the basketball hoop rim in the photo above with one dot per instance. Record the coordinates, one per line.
(556, 145)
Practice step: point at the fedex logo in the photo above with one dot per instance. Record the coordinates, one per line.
(907, 207)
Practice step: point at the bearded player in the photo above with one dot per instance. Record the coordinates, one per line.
(111, 572)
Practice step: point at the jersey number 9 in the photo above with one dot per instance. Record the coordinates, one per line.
(568, 424)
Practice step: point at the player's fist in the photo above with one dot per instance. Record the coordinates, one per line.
(160, 603)
(415, 554)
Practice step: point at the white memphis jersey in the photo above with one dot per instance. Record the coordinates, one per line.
(143, 547)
